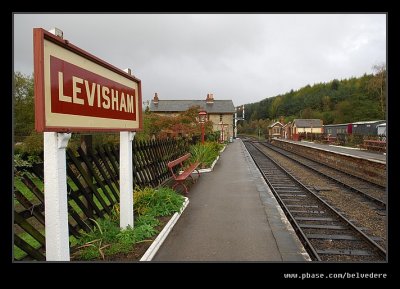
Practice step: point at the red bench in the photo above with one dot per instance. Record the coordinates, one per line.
(180, 179)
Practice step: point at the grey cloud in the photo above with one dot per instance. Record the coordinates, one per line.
(244, 57)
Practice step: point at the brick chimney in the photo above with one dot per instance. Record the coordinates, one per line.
(155, 99)
(210, 98)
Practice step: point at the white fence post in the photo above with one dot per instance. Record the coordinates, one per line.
(55, 196)
(126, 179)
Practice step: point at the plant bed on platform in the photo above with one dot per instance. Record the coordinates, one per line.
(106, 242)
(206, 154)
(140, 248)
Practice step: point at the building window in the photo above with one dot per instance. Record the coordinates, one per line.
(220, 117)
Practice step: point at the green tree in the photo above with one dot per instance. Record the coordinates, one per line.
(326, 103)
(184, 124)
(377, 85)
(328, 117)
(335, 84)
(343, 112)
(337, 101)
(276, 103)
(24, 110)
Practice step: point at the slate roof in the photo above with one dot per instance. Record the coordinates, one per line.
(277, 122)
(338, 124)
(219, 106)
(287, 124)
(369, 122)
(307, 123)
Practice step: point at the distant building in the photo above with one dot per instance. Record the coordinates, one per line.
(219, 112)
(370, 127)
(287, 131)
(381, 129)
(334, 129)
(275, 130)
(367, 127)
(304, 126)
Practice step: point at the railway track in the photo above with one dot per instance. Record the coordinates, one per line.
(370, 191)
(326, 234)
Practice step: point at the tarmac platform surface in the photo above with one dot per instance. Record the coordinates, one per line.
(356, 152)
(232, 216)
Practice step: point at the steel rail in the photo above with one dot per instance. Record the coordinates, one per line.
(303, 236)
(377, 201)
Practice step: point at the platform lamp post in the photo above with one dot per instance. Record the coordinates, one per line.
(202, 120)
(222, 132)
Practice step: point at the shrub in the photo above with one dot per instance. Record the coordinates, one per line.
(106, 236)
(20, 161)
(355, 139)
(205, 154)
(33, 144)
(213, 136)
(161, 202)
(216, 147)
(146, 219)
(105, 138)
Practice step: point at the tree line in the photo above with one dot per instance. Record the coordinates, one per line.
(337, 101)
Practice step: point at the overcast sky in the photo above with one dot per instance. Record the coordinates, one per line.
(243, 57)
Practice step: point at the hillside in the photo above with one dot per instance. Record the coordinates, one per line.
(338, 101)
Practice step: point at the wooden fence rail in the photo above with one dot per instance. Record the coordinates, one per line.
(92, 188)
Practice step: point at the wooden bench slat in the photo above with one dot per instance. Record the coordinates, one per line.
(188, 171)
(179, 179)
(178, 161)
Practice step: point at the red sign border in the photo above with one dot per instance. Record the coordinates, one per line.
(39, 35)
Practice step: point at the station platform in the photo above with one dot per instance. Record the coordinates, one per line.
(354, 152)
(232, 216)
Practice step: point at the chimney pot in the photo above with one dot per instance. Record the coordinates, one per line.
(210, 98)
(155, 99)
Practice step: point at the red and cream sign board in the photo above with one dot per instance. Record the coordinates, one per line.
(76, 91)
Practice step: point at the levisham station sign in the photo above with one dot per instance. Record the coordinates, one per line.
(76, 91)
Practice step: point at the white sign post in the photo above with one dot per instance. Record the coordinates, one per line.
(55, 196)
(126, 179)
(126, 176)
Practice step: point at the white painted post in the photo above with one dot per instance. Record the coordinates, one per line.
(55, 196)
(126, 176)
(126, 179)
